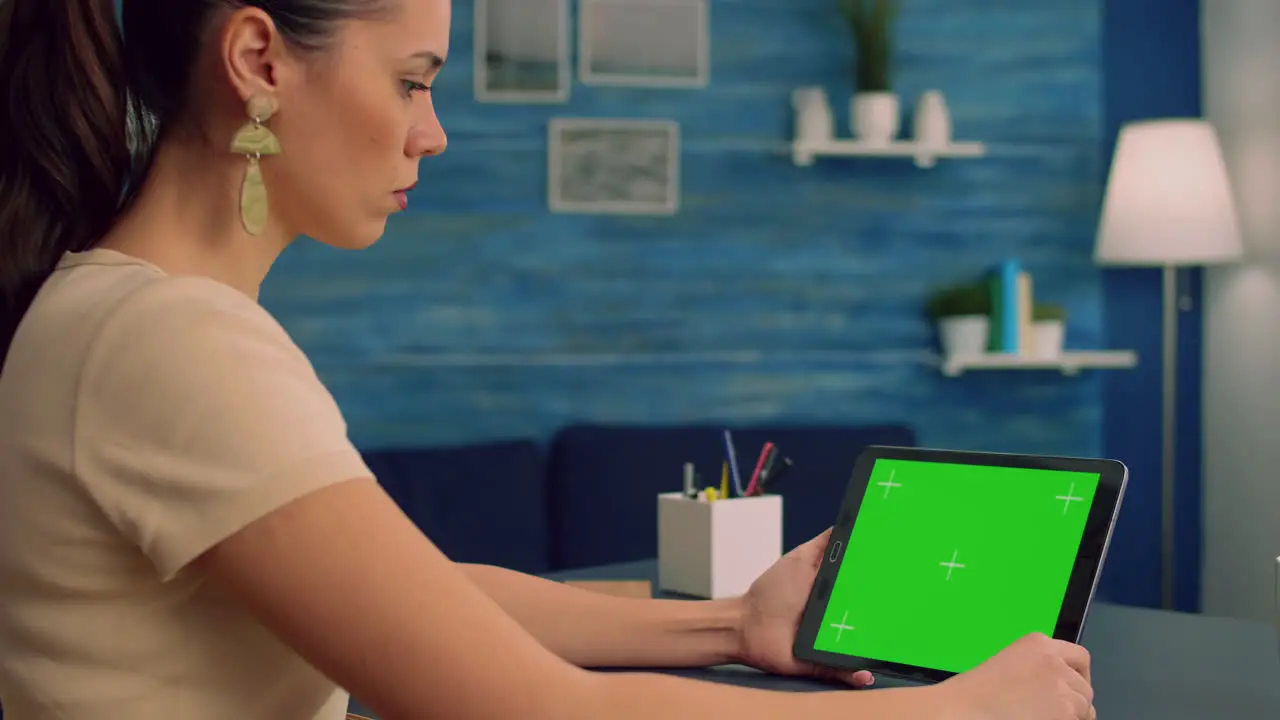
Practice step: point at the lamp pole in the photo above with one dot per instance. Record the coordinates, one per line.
(1168, 439)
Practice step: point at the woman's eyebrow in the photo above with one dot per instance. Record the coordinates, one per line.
(434, 59)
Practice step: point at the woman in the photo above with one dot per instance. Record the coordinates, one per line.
(185, 529)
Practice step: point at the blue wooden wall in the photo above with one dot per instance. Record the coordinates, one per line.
(776, 293)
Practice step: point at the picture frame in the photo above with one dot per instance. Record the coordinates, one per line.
(613, 166)
(522, 51)
(644, 43)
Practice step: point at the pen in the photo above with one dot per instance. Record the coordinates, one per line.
(767, 454)
(733, 463)
(690, 491)
(774, 473)
(724, 479)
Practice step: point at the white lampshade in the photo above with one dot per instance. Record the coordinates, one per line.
(1168, 199)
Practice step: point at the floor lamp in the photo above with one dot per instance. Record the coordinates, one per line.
(1169, 205)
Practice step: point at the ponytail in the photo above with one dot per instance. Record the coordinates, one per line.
(81, 114)
(65, 154)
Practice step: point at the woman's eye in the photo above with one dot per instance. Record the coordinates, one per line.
(413, 86)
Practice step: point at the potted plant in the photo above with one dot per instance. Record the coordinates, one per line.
(874, 108)
(1048, 329)
(962, 314)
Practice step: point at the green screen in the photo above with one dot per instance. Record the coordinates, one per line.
(948, 564)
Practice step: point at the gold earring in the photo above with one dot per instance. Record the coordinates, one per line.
(254, 140)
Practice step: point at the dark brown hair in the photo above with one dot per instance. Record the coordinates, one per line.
(83, 101)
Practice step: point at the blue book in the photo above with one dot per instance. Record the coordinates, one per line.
(1004, 310)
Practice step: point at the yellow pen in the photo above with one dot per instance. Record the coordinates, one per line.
(724, 479)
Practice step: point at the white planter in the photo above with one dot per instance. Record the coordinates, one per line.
(1047, 338)
(964, 335)
(875, 116)
(932, 121)
(815, 122)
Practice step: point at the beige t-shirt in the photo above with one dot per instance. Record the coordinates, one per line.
(144, 418)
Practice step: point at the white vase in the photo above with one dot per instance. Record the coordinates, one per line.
(1047, 338)
(815, 122)
(964, 336)
(932, 121)
(875, 116)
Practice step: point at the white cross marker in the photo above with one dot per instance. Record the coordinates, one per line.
(950, 566)
(842, 626)
(1068, 499)
(889, 484)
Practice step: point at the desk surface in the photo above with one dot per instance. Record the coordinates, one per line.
(1147, 664)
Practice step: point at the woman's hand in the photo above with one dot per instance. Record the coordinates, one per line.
(773, 606)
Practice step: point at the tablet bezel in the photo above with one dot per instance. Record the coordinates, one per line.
(1112, 479)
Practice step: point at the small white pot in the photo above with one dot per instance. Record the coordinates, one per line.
(932, 120)
(1047, 337)
(876, 117)
(964, 336)
(815, 123)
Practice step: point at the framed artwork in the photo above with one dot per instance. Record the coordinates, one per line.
(644, 43)
(614, 166)
(522, 51)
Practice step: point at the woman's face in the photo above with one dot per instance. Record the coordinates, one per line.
(355, 124)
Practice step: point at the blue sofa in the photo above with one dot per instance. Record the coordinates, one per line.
(589, 497)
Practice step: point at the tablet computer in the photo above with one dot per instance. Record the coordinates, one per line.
(940, 559)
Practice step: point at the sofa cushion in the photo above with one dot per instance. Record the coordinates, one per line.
(604, 480)
(484, 503)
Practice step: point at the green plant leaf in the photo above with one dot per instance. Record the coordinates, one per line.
(965, 299)
(871, 31)
(1048, 311)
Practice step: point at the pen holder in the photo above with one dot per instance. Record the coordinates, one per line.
(716, 549)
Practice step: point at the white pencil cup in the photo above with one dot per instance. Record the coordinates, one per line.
(716, 549)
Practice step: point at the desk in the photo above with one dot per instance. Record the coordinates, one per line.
(1147, 664)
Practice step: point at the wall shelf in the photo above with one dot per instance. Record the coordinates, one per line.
(1068, 363)
(803, 153)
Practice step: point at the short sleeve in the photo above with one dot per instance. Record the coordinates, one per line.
(196, 415)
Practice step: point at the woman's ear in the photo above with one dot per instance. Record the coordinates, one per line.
(251, 51)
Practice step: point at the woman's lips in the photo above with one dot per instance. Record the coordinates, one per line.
(402, 196)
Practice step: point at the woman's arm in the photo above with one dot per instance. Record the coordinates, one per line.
(591, 629)
(343, 577)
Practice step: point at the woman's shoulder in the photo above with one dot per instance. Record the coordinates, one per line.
(124, 302)
(120, 322)
(126, 285)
